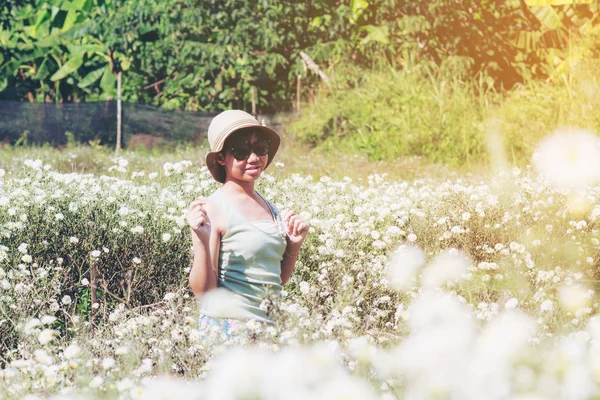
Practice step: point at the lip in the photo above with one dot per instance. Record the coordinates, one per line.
(254, 168)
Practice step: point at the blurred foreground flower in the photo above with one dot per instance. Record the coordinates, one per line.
(403, 266)
(447, 266)
(569, 158)
(222, 303)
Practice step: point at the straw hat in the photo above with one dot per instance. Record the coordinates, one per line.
(222, 126)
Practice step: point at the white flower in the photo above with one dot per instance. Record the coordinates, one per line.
(85, 282)
(23, 248)
(137, 260)
(96, 382)
(95, 253)
(573, 297)
(504, 338)
(511, 304)
(124, 384)
(33, 164)
(177, 335)
(72, 351)
(547, 306)
(169, 296)
(166, 237)
(137, 229)
(403, 265)
(412, 237)
(361, 349)
(59, 217)
(43, 357)
(48, 319)
(569, 158)
(222, 303)
(46, 336)
(447, 266)
(26, 258)
(153, 175)
(66, 300)
(304, 288)
(73, 240)
(108, 363)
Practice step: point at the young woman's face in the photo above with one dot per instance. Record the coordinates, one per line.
(246, 156)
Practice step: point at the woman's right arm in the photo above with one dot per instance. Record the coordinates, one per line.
(206, 239)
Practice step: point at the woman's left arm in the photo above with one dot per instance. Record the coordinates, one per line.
(297, 230)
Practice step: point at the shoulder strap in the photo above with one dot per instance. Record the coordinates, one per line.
(272, 208)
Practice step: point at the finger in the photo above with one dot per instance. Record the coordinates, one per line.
(198, 207)
(290, 223)
(298, 223)
(302, 228)
(197, 202)
(288, 214)
(199, 222)
(294, 227)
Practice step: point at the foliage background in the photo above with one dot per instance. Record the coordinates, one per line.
(207, 54)
(426, 77)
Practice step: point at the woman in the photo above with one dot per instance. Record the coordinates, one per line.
(241, 242)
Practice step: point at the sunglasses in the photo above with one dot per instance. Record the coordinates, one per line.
(242, 151)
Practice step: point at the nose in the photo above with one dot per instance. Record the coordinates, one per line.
(253, 156)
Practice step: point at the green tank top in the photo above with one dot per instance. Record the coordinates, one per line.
(250, 256)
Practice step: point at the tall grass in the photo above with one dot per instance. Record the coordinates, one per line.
(439, 115)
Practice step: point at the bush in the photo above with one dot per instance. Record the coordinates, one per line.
(441, 115)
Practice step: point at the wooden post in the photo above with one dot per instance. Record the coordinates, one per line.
(253, 101)
(298, 87)
(118, 111)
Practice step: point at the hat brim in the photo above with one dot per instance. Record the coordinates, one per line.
(218, 171)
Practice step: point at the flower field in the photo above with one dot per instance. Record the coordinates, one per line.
(433, 288)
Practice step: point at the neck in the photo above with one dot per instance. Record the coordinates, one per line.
(239, 187)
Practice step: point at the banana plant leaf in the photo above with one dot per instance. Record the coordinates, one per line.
(68, 68)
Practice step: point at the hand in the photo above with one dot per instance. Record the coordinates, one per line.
(198, 220)
(296, 227)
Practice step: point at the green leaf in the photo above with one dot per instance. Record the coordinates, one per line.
(42, 16)
(55, 11)
(91, 77)
(3, 84)
(378, 34)
(43, 70)
(70, 20)
(68, 68)
(108, 80)
(78, 5)
(357, 7)
(90, 49)
(48, 41)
